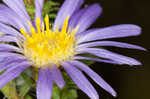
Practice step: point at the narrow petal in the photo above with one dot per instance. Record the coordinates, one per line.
(44, 85)
(13, 72)
(38, 9)
(57, 76)
(8, 16)
(68, 8)
(8, 39)
(11, 59)
(86, 32)
(86, 17)
(96, 59)
(18, 7)
(80, 80)
(5, 29)
(75, 17)
(4, 67)
(7, 47)
(118, 31)
(111, 43)
(5, 55)
(110, 55)
(99, 80)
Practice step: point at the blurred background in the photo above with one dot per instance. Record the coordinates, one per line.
(129, 82)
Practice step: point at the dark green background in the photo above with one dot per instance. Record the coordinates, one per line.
(129, 82)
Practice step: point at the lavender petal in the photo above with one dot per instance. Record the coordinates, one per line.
(118, 31)
(5, 29)
(99, 80)
(80, 80)
(96, 59)
(12, 73)
(57, 76)
(5, 55)
(67, 9)
(44, 85)
(18, 7)
(110, 55)
(87, 17)
(4, 67)
(7, 47)
(38, 9)
(8, 39)
(110, 43)
(8, 16)
(11, 59)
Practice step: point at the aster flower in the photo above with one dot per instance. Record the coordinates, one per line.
(50, 48)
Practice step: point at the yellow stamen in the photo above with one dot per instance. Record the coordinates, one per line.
(47, 47)
(23, 32)
(32, 28)
(47, 22)
(38, 24)
(65, 26)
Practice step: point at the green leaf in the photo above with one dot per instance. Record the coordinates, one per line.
(50, 8)
(9, 90)
(56, 92)
(51, 3)
(52, 16)
(26, 85)
(69, 83)
(69, 91)
(28, 97)
(69, 94)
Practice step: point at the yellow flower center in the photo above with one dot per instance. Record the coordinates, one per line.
(46, 47)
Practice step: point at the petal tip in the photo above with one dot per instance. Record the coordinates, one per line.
(114, 94)
(136, 28)
(98, 6)
(62, 86)
(136, 63)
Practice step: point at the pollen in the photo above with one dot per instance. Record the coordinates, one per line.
(45, 47)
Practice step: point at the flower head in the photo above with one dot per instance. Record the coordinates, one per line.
(55, 46)
(48, 47)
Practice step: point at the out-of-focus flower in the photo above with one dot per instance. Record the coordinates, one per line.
(50, 48)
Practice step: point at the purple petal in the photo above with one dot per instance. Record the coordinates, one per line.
(86, 17)
(80, 80)
(99, 80)
(5, 29)
(5, 55)
(57, 76)
(38, 9)
(10, 59)
(75, 17)
(7, 66)
(13, 72)
(44, 85)
(118, 31)
(68, 8)
(96, 59)
(18, 7)
(111, 43)
(8, 39)
(8, 47)
(110, 55)
(86, 32)
(8, 16)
